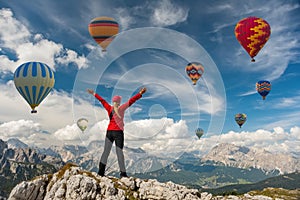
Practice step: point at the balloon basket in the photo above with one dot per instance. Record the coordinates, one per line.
(33, 111)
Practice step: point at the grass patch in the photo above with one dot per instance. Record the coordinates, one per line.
(66, 167)
(278, 193)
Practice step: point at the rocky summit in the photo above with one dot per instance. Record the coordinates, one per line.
(71, 182)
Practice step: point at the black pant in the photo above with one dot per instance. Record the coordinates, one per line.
(117, 137)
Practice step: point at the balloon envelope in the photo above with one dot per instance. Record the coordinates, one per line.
(199, 132)
(103, 30)
(240, 119)
(82, 124)
(252, 33)
(263, 88)
(194, 70)
(34, 81)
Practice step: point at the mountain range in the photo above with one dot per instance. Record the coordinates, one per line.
(225, 164)
(244, 157)
(139, 161)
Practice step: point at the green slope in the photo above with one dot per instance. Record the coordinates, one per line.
(206, 175)
(287, 181)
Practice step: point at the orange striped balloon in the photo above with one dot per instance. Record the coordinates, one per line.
(103, 30)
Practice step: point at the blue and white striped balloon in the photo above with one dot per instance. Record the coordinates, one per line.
(34, 81)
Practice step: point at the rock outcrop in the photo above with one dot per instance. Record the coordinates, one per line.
(71, 182)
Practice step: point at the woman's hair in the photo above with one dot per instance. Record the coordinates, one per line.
(116, 109)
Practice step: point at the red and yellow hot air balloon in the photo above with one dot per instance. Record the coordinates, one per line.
(252, 33)
(103, 30)
(194, 70)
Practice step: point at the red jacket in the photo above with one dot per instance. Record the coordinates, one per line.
(115, 122)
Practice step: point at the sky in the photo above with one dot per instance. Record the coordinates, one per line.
(156, 40)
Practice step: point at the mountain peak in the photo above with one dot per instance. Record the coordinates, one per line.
(15, 143)
(244, 157)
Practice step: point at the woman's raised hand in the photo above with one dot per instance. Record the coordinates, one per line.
(90, 91)
(143, 90)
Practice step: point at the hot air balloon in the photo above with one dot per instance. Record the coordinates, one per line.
(82, 124)
(263, 88)
(34, 81)
(252, 33)
(103, 30)
(240, 119)
(199, 132)
(194, 70)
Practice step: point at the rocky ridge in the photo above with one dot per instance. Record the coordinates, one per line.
(139, 161)
(243, 157)
(18, 164)
(71, 182)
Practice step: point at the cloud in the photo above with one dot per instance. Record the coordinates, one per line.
(216, 8)
(125, 19)
(28, 132)
(68, 133)
(284, 119)
(21, 128)
(291, 102)
(42, 50)
(156, 136)
(70, 56)
(12, 31)
(15, 38)
(154, 129)
(248, 93)
(276, 141)
(161, 137)
(168, 13)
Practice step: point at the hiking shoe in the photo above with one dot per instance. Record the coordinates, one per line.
(123, 174)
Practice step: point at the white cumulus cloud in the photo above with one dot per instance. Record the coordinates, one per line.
(26, 46)
(167, 13)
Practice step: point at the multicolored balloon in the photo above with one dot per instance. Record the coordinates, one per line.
(252, 33)
(240, 119)
(263, 88)
(82, 124)
(103, 30)
(34, 81)
(194, 70)
(199, 132)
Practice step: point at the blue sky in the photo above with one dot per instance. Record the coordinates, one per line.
(156, 40)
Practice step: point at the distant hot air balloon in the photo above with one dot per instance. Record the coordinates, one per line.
(252, 33)
(103, 30)
(194, 70)
(34, 81)
(199, 132)
(240, 119)
(82, 124)
(263, 88)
